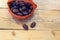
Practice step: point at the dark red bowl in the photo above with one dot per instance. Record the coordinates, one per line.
(22, 17)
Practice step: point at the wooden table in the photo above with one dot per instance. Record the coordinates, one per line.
(47, 17)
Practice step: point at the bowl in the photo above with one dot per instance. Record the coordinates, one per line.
(26, 16)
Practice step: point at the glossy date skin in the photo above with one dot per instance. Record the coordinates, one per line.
(20, 8)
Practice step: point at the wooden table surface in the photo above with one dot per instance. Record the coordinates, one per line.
(46, 15)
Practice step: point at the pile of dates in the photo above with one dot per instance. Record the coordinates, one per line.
(20, 8)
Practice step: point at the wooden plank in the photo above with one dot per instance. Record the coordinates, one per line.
(25, 35)
(3, 3)
(45, 20)
(57, 35)
(41, 4)
(29, 35)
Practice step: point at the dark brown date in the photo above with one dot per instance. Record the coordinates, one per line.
(33, 24)
(25, 26)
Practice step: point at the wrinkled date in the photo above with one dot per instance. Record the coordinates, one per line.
(25, 27)
(20, 8)
(33, 24)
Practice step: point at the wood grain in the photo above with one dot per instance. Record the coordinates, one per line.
(29, 35)
(26, 35)
(41, 4)
(47, 17)
(45, 20)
